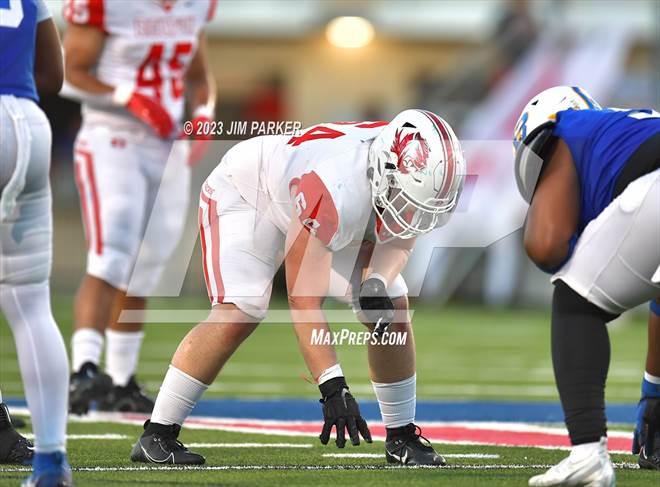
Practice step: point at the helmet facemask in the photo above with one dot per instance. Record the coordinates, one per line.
(400, 214)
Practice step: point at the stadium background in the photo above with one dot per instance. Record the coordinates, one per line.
(481, 323)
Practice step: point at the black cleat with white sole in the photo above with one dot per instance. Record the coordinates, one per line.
(159, 444)
(404, 446)
(127, 399)
(14, 448)
(87, 385)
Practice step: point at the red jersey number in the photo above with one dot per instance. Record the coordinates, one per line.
(149, 74)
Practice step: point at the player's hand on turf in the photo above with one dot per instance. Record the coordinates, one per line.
(146, 109)
(341, 411)
(376, 305)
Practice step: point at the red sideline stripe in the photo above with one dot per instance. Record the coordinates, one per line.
(214, 227)
(446, 139)
(96, 211)
(443, 433)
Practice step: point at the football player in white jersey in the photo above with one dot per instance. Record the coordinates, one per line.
(133, 65)
(365, 189)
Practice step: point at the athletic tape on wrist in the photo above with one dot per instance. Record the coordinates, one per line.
(330, 373)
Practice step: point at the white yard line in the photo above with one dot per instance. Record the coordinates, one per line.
(150, 468)
(107, 436)
(249, 445)
(380, 455)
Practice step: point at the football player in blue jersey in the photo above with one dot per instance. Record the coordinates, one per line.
(31, 63)
(592, 178)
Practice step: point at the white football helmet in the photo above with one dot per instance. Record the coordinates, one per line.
(533, 131)
(416, 170)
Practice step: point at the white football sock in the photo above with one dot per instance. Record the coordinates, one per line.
(86, 346)
(42, 359)
(0, 396)
(651, 378)
(397, 401)
(122, 351)
(177, 397)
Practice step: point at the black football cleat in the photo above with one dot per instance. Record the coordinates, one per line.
(127, 399)
(14, 448)
(159, 444)
(404, 446)
(649, 454)
(87, 385)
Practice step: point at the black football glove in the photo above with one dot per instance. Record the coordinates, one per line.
(342, 411)
(376, 305)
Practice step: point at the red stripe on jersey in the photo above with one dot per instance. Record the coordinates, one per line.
(96, 209)
(214, 221)
(200, 221)
(213, 5)
(83, 203)
(449, 151)
(85, 12)
(213, 225)
(371, 125)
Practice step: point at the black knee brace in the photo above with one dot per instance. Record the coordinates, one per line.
(580, 357)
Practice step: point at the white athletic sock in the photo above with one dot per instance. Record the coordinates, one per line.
(0, 396)
(651, 378)
(177, 397)
(42, 359)
(397, 401)
(86, 346)
(122, 350)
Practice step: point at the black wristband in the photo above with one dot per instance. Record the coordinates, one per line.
(331, 387)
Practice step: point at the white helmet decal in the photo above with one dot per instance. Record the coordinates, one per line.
(412, 152)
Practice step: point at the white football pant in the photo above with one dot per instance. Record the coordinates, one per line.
(25, 260)
(616, 262)
(130, 203)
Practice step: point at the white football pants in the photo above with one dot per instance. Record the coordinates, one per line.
(25, 260)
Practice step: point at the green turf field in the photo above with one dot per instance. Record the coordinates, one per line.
(100, 463)
(462, 352)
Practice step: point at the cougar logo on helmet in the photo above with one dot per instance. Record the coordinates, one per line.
(412, 151)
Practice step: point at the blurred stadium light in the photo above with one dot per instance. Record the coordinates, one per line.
(349, 32)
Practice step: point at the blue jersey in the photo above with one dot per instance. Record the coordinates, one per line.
(18, 27)
(601, 142)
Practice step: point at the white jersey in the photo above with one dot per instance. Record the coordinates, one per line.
(149, 45)
(326, 168)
